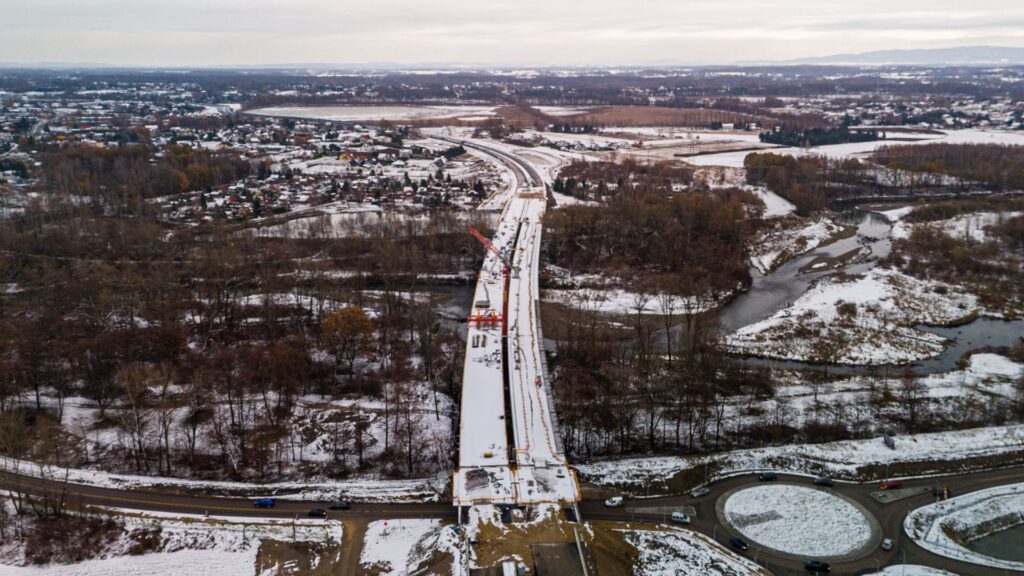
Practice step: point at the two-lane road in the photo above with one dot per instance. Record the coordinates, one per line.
(890, 517)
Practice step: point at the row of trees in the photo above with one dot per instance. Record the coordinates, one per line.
(691, 242)
(809, 182)
(995, 166)
(634, 391)
(122, 178)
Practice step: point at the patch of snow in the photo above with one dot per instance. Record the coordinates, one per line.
(841, 459)
(911, 570)
(623, 302)
(970, 516)
(775, 248)
(865, 320)
(669, 553)
(973, 227)
(774, 204)
(798, 520)
(389, 545)
(415, 490)
(181, 563)
(374, 113)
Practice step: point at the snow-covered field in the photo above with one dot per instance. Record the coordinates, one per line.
(416, 490)
(190, 545)
(969, 226)
(670, 553)
(855, 149)
(867, 319)
(775, 248)
(774, 205)
(563, 110)
(944, 527)
(623, 302)
(372, 113)
(841, 460)
(181, 563)
(798, 520)
(397, 547)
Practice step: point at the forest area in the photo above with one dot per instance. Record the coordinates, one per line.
(132, 345)
(993, 166)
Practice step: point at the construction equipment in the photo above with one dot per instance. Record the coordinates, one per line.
(487, 243)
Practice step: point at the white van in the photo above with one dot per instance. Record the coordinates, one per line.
(680, 518)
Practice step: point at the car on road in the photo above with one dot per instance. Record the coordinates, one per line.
(887, 544)
(767, 477)
(892, 484)
(739, 544)
(817, 566)
(700, 491)
(340, 505)
(680, 518)
(263, 502)
(317, 513)
(824, 481)
(614, 502)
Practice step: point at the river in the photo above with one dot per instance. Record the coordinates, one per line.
(772, 292)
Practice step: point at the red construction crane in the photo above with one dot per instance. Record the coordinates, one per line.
(487, 243)
(490, 316)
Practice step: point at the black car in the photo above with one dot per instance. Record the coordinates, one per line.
(824, 481)
(739, 544)
(340, 505)
(817, 566)
(318, 513)
(768, 477)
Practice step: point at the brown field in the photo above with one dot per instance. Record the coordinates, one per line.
(654, 116)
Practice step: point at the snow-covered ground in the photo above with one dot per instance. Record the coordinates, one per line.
(841, 460)
(181, 563)
(670, 553)
(397, 547)
(969, 226)
(416, 490)
(563, 110)
(190, 545)
(911, 570)
(372, 113)
(798, 520)
(774, 205)
(775, 248)
(857, 149)
(867, 319)
(944, 527)
(623, 302)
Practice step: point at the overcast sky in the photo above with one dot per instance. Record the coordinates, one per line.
(501, 32)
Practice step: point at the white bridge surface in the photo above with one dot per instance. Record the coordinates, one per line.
(532, 469)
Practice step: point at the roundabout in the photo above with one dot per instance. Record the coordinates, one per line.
(800, 522)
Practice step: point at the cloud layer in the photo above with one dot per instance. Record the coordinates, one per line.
(500, 32)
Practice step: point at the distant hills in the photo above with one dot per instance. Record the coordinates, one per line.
(959, 56)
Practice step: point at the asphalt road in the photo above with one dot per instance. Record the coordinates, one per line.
(890, 516)
(156, 500)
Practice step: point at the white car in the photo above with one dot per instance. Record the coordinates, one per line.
(887, 544)
(680, 518)
(613, 502)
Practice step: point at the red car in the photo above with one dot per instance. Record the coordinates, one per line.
(892, 484)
